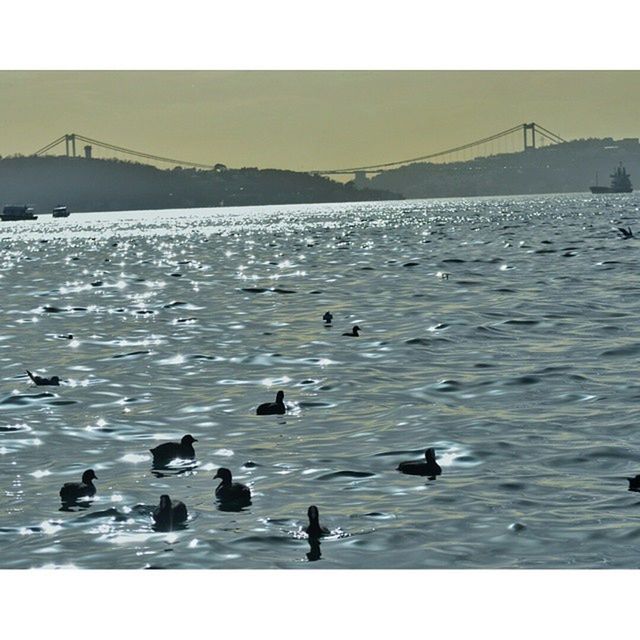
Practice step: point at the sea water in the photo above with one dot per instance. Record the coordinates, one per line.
(501, 331)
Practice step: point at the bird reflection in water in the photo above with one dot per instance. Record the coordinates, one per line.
(232, 506)
(314, 549)
(73, 505)
(167, 471)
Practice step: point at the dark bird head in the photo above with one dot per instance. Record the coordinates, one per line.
(187, 440)
(224, 475)
(280, 397)
(88, 476)
(356, 328)
(55, 379)
(313, 514)
(165, 502)
(430, 454)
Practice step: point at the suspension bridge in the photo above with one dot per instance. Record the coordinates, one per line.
(521, 137)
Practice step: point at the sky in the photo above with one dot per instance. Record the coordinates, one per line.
(318, 116)
(306, 120)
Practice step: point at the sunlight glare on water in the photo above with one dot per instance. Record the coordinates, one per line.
(501, 331)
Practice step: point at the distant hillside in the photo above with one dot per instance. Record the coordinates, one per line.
(111, 185)
(567, 167)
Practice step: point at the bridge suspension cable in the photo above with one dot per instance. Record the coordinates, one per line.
(374, 167)
(533, 127)
(113, 147)
(50, 145)
(549, 134)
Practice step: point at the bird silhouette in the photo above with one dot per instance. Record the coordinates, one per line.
(634, 483)
(315, 529)
(169, 514)
(41, 382)
(231, 494)
(72, 491)
(164, 453)
(416, 468)
(273, 408)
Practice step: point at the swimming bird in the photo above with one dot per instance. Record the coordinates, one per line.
(231, 493)
(634, 483)
(72, 491)
(327, 317)
(315, 529)
(273, 408)
(168, 451)
(169, 514)
(40, 381)
(625, 233)
(429, 468)
(354, 332)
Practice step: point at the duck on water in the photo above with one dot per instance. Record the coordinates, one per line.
(40, 381)
(417, 468)
(169, 514)
(625, 234)
(72, 491)
(229, 493)
(315, 529)
(164, 453)
(354, 332)
(634, 483)
(273, 408)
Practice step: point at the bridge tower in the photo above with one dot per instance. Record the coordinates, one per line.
(70, 138)
(529, 141)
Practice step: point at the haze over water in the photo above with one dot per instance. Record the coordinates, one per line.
(520, 369)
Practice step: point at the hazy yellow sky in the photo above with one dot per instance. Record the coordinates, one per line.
(308, 119)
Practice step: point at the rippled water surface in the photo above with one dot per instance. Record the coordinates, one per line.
(503, 332)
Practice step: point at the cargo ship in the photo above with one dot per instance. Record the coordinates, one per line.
(620, 182)
(17, 212)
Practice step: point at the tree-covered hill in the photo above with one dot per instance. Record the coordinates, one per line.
(85, 184)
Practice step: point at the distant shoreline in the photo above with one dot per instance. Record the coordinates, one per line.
(84, 184)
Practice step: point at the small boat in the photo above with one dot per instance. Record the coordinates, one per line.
(18, 212)
(60, 212)
(620, 182)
